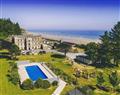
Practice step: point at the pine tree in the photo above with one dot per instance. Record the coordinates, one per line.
(100, 79)
(115, 43)
(92, 51)
(104, 52)
(114, 79)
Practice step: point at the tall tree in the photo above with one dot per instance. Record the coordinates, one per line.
(92, 51)
(64, 47)
(115, 42)
(12, 48)
(7, 28)
(104, 52)
(14, 51)
(109, 48)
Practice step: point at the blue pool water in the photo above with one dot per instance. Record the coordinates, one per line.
(35, 72)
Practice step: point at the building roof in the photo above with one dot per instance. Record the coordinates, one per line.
(75, 92)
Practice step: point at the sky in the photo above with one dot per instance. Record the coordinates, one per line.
(62, 14)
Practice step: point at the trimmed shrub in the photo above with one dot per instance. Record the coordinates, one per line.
(103, 88)
(46, 84)
(118, 89)
(86, 90)
(13, 77)
(61, 74)
(55, 83)
(38, 83)
(27, 84)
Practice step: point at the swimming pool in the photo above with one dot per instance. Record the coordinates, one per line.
(35, 72)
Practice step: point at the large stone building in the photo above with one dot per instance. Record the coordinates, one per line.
(28, 42)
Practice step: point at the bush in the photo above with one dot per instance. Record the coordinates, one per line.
(38, 83)
(27, 84)
(55, 83)
(118, 89)
(46, 84)
(42, 84)
(61, 74)
(103, 88)
(86, 90)
(13, 77)
(93, 87)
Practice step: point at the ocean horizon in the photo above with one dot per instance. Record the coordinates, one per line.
(91, 34)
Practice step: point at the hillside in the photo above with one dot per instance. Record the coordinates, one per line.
(7, 28)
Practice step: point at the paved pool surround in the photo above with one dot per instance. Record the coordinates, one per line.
(49, 74)
(24, 74)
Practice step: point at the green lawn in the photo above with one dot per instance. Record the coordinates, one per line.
(6, 88)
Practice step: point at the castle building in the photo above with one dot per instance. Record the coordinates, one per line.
(27, 42)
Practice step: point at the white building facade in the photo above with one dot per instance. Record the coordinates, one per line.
(28, 42)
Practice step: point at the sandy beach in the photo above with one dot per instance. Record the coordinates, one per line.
(76, 40)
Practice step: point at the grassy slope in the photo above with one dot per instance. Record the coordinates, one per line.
(63, 64)
(7, 88)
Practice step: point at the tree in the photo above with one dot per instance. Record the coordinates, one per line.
(55, 83)
(108, 50)
(64, 47)
(41, 46)
(86, 90)
(7, 28)
(13, 65)
(100, 79)
(27, 84)
(115, 43)
(12, 48)
(92, 51)
(114, 78)
(104, 52)
(46, 84)
(42, 84)
(14, 77)
(38, 83)
(14, 51)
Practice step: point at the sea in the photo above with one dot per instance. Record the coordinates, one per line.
(92, 34)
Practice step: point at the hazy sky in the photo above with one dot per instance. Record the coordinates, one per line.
(62, 14)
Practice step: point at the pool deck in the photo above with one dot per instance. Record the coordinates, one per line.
(50, 75)
(24, 75)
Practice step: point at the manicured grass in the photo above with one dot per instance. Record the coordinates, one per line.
(7, 88)
(64, 65)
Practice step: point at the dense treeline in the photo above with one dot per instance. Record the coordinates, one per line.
(7, 27)
(107, 52)
(12, 48)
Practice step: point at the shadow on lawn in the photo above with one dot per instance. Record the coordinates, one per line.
(57, 56)
(5, 55)
(97, 65)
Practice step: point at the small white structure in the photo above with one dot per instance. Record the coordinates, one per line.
(83, 59)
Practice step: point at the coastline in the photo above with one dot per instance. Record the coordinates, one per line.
(76, 40)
